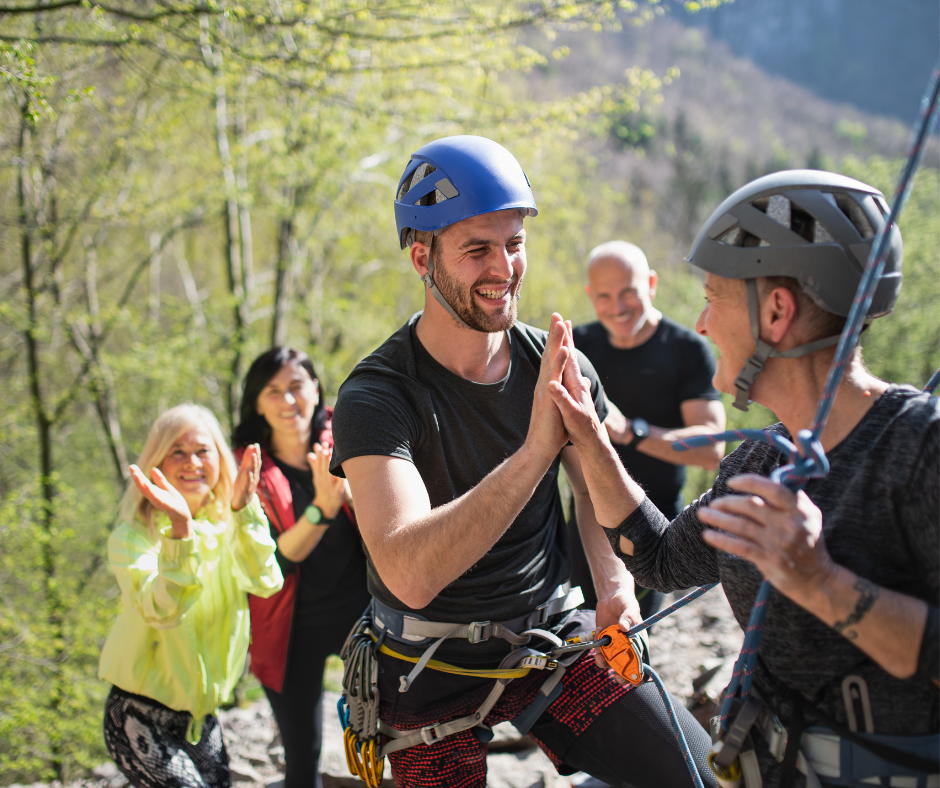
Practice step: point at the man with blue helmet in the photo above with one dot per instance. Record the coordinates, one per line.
(452, 446)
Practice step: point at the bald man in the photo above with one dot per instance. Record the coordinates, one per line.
(657, 375)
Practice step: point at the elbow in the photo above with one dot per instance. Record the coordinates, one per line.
(413, 593)
(411, 588)
(712, 460)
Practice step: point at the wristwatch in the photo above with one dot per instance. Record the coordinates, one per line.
(640, 429)
(315, 516)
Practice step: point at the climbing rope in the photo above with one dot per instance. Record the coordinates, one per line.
(932, 384)
(807, 460)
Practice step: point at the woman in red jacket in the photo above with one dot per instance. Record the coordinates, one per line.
(318, 548)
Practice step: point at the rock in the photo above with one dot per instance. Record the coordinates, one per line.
(245, 773)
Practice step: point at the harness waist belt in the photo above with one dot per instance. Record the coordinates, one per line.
(418, 631)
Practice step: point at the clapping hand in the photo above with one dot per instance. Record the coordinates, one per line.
(249, 473)
(166, 498)
(330, 489)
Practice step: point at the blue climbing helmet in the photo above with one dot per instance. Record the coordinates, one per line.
(454, 178)
(816, 227)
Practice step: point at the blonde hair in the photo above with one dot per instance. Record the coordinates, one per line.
(166, 430)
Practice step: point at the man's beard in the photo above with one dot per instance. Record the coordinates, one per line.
(465, 306)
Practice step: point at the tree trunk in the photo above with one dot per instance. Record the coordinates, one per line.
(231, 217)
(44, 423)
(281, 281)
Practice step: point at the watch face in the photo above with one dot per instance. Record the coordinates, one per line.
(641, 428)
(313, 514)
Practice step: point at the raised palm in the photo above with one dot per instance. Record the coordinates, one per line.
(249, 473)
(165, 497)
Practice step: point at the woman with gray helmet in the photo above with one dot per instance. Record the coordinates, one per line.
(848, 665)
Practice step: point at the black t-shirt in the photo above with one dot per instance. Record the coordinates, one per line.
(400, 402)
(333, 576)
(652, 381)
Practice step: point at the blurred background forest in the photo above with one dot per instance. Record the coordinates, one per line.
(184, 184)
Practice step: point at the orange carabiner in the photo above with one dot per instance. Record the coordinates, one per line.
(622, 655)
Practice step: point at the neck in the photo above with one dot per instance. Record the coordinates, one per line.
(644, 329)
(795, 398)
(291, 448)
(195, 504)
(473, 355)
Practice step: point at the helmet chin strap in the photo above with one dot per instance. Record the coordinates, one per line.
(762, 351)
(428, 280)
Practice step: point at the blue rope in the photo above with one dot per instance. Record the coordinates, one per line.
(933, 383)
(666, 611)
(680, 736)
(808, 461)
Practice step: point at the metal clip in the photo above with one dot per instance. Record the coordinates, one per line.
(777, 741)
(475, 635)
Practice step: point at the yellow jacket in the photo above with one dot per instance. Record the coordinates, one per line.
(183, 634)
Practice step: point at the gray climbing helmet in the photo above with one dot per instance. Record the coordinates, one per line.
(816, 227)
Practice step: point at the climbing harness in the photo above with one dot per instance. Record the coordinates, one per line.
(806, 461)
(358, 708)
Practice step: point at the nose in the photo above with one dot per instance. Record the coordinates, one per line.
(289, 398)
(700, 323)
(194, 460)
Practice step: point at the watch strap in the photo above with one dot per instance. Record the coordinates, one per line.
(315, 516)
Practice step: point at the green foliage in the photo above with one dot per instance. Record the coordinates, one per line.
(227, 183)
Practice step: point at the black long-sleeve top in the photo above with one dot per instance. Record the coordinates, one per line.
(881, 520)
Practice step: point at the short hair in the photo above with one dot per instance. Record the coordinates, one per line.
(135, 509)
(622, 250)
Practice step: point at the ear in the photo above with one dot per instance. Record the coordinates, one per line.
(419, 257)
(316, 389)
(654, 280)
(778, 313)
(587, 289)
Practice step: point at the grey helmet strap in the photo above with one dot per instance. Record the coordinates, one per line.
(428, 280)
(762, 351)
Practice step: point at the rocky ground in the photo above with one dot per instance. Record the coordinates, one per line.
(702, 635)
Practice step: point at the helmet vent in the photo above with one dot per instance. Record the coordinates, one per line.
(732, 237)
(443, 190)
(779, 210)
(856, 215)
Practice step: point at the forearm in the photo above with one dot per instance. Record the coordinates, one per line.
(418, 558)
(253, 550)
(162, 583)
(297, 542)
(607, 571)
(660, 440)
(614, 495)
(886, 625)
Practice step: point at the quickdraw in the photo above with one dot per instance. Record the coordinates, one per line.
(808, 460)
(359, 705)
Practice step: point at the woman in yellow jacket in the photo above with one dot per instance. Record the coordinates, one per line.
(190, 545)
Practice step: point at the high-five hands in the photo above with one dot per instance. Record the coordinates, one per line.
(249, 473)
(571, 391)
(166, 498)
(546, 430)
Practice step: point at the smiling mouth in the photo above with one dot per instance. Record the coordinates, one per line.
(494, 292)
(192, 479)
(292, 414)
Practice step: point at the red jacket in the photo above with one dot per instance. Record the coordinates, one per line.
(271, 618)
